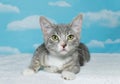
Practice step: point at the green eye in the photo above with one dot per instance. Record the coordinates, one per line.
(70, 37)
(55, 38)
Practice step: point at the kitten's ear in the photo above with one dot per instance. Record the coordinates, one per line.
(77, 23)
(46, 25)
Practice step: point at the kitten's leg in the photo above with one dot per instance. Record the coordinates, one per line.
(69, 72)
(70, 69)
(34, 66)
(38, 60)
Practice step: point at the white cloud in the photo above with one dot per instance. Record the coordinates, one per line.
(30, 22)
(95, 43)
(36, 45)
(8, 8)
(8, 50)
(59, 4)
(109, 41)
(107, 18)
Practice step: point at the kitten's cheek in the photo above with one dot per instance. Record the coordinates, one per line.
(67, 48)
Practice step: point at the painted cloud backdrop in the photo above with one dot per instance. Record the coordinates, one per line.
(20, 30)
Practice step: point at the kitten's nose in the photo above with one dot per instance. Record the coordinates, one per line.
(64, 45)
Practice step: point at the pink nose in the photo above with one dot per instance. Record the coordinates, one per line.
(64, 45)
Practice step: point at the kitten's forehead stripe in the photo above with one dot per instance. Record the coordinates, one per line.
(62, 29)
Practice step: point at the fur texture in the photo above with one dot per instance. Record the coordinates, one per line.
(61, 51)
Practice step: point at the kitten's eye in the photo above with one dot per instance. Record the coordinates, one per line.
(54, 38)
(70, 37)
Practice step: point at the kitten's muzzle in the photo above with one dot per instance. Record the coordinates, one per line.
(64, 45)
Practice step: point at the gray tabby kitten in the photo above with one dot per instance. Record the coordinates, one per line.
(61, 51)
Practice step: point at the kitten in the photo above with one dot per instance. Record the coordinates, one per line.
(61, 51)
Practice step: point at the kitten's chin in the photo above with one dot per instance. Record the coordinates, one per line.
(59, 53)
(63, 52)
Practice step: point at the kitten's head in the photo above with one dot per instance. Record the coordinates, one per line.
(61, 38)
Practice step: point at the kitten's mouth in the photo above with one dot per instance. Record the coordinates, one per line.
(63, 51)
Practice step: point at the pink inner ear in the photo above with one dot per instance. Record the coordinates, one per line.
(45, 31)
(78, 28)
(77, 25)
(80, 23)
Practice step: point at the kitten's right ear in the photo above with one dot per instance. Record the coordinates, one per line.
(77, 23)
(46, 25)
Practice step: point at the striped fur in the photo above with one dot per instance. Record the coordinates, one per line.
(40, 57)
(76, 53)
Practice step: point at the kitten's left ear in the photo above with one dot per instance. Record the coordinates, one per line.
(76, 24)
(46, 25)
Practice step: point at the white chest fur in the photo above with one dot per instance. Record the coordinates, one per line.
(56, 61)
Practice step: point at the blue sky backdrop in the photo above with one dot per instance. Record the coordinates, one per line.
(20, 31)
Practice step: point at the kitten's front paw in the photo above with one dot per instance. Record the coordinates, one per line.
(68, 75)
(27, 72)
